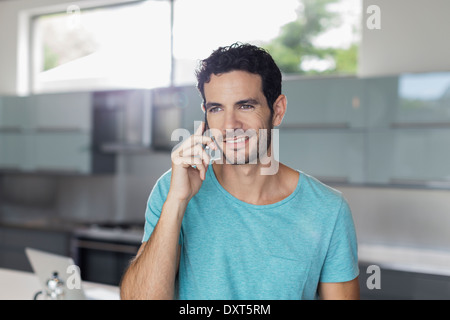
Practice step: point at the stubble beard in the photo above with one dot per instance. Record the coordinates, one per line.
(254, 149)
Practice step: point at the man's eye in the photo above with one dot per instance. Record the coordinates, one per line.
(213, 109)
(247, 107)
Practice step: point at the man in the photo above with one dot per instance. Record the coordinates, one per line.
(227, 231)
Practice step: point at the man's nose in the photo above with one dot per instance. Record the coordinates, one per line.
(231, 120)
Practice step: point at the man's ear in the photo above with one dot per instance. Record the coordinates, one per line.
(279, 109)
(202, 106)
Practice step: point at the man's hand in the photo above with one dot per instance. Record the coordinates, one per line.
(189, 165)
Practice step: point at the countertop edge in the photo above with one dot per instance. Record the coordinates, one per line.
(408, 259)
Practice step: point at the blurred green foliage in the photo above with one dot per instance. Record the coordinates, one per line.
(295, 41)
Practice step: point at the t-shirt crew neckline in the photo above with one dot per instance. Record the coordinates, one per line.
(212, 175)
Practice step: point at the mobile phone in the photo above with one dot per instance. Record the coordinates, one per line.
(213, 154)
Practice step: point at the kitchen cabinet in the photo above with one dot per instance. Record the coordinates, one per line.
(391, 130)
(380, 99)
(14, 153)
(190, 101)
(409, 156)
(61, 124)
(14, 142)
(61, 112)
(122, 120)
(331, 155)
(324, 103)
(322, 131)
(386, 130)
(13, 242)
(424, 100)
(168, 110)
(51, 133)
(13, 114)
(63, 152)
(408, 101)
(49, 152)
(408, 130)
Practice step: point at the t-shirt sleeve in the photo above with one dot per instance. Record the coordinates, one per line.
(341, 262)
(155, 203)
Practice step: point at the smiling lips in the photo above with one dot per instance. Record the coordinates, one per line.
(236, 142)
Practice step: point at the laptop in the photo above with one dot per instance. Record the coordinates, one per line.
(46, 264)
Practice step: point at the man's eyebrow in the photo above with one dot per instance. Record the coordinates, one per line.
(212, 104)
(237, 103)
(247, 101)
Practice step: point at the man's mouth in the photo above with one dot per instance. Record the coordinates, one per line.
(236, 141)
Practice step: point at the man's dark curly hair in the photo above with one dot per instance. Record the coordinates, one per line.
(243, 57)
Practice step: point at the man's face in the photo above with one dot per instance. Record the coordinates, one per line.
(237, 109)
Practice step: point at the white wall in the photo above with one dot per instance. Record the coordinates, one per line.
(8, 51)
(14, 29)
(403, 217)
(413, 37)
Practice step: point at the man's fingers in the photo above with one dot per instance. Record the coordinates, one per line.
(195, 163)
(195, 142)
(191, 153)
(195, 150)
(191, 156)
(200, 130)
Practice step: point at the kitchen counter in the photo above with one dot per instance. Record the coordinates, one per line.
(133, 236)
(20, 285)
(102, 250)
(110, 231)
(38, 223)
(407, 259)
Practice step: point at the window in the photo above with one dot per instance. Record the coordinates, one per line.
(118, 46)
(134, 44)
(200, 26)
(303, 36)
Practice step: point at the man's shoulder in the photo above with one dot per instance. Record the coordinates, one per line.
(323, 201)
(162, 184)
(321, 191)
(165, 177)
(309, 183)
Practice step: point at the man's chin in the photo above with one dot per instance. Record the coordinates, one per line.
(241, 160)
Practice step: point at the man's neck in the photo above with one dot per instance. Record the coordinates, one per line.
(246, 183)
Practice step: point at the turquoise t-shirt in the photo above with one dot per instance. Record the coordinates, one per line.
(234, 250)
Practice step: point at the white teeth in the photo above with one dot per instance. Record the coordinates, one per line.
(236, 141)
